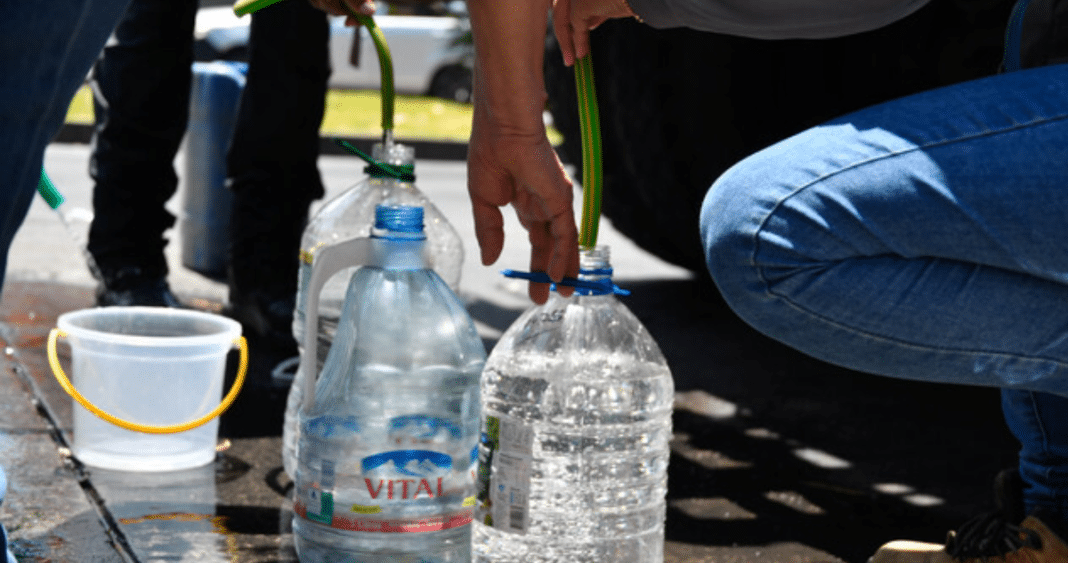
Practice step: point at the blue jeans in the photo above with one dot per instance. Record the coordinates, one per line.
(924, 238)
(45, 54)
(9, 558)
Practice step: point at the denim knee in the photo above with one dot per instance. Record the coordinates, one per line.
(774, 223)
(731, 217)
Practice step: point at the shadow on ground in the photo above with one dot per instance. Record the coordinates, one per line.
(774, 446)
(775, 449)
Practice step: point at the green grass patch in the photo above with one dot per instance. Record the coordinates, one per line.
(358, 113)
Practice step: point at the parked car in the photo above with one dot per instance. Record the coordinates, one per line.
(432, 55)
(219, 34)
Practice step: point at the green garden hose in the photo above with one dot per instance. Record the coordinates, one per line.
(589, 118)
(244, 7)
(385, 63)
(385, 60)
(592, 174)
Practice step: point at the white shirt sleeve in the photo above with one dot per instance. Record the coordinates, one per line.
(776, 19)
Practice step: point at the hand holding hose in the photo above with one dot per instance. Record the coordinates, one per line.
(574, 19)
(345, 8)
(510, 160)
(522, 169)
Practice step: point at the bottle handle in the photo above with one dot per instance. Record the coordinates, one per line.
(327, 261)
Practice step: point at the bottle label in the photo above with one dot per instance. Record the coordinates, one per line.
(387, 485)
(503, 488)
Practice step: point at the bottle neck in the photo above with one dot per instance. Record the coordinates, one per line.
(399, 251)
(594, 266)
(385, 182)
(395, 163)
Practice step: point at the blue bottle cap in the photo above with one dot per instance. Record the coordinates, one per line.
(399, 218)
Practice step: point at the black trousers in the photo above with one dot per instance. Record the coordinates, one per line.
(141, 88)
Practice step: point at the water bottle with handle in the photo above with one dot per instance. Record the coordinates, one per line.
(577, 402)
(389, 430)
(350, 215)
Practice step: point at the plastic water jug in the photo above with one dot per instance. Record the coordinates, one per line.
(351, 215)
(215, 94)
(389, 429)
(577, 402)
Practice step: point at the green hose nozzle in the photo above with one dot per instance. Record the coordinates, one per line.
(48, 191)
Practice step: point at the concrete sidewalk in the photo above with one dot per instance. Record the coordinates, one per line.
(776, 457)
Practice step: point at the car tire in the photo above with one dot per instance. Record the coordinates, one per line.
(453, 83)
(678, 107)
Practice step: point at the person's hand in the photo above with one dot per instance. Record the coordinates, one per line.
(346, 8)
(509, 157)
(506, 166)
(573, 20)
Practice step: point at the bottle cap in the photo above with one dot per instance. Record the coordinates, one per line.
(399, 218)
(582, 287)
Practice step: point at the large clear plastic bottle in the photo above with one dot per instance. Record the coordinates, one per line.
(351, 215)
(577, 402)
(388, 443)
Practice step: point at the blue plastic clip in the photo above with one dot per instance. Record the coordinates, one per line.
(582, 287)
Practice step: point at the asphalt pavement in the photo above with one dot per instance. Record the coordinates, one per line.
(776, 457)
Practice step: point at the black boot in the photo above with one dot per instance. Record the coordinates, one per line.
(265, 236)
(262, 275)
(133, 285)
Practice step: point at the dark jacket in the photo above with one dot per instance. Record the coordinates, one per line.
(1037, 34)
(775, 19)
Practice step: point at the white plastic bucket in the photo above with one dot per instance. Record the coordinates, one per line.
(147, 382)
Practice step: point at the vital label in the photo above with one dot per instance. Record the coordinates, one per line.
(387, 481)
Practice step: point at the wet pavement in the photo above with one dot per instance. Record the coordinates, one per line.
(776, 457)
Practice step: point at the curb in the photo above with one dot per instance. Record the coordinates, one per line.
(426, 149)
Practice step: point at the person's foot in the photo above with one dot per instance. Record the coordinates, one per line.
(131, 285)
(995, 535)
(1040, 538)
(267, 324)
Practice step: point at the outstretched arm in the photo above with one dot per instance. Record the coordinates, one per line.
(510, 159)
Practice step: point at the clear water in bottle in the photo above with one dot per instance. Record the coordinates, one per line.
(388, 445)
(351, 215)
(577, 401)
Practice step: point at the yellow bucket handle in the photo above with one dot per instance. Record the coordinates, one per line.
(64, 382)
